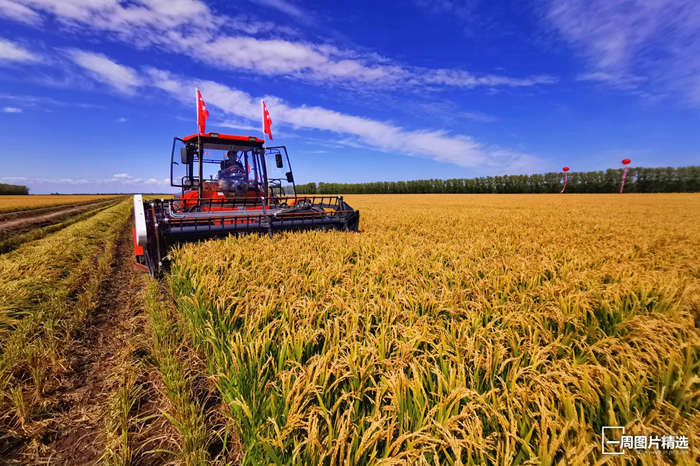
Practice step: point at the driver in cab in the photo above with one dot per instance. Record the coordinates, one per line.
(232, 175)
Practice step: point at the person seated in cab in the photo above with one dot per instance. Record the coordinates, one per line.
(232, 162)
(232, 175)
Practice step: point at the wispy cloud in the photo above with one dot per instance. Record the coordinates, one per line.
(126, 178)
(235, 124)
(653, 46)
(36, 101)
(617, 80)
(478, 116)
(117, 15)
(285, 7)
(122, 183)
(11, 110)
(13, 52)
(459, 78)
(283, 57)
(19, 12)
(122, 120)
(439, 145)
(122, 78)
(132, 180)
(189, 27)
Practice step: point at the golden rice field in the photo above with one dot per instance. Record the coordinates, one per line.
(36, 201)
(456, 329)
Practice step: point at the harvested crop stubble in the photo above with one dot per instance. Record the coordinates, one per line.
(46, 271)
(496, 329)
(49, 287)
(14, 239)
(36, 201)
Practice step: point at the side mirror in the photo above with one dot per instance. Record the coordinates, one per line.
(187, 154)
(278, 160)
(290, 177)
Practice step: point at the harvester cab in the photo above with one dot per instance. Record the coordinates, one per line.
(229, 185)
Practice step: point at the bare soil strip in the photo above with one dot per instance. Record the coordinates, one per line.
(11, 240)
(29, 210)
(112, 348)
(31, 218)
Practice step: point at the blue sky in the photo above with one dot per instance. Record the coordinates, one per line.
(92, 91)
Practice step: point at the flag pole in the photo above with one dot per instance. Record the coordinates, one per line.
(625, 162)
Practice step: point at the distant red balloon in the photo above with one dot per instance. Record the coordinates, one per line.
(566, 169)
(626, 162)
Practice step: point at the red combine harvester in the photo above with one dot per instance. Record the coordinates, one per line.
(243, 194)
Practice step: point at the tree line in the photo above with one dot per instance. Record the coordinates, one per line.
(639, 180)
(13, 189)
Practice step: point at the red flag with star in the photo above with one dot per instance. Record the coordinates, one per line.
(266, 120)
(202, 113)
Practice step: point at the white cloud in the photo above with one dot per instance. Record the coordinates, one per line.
(126, 178)
(116, 15)
(324, 63)
(12, 110)
(73, 180)
(436, 144)
(189, 27)
(276, 56)
(478, 116)
(122, 120)
(237, 124)
(285, 7)
(18, 12)
(461, 78)
(122, 78)
(617, 80)
(74, 184)
(10, 51)
(41, 101)
(635, 44)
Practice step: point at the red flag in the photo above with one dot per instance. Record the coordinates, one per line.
(202, 113)
(266, 120)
